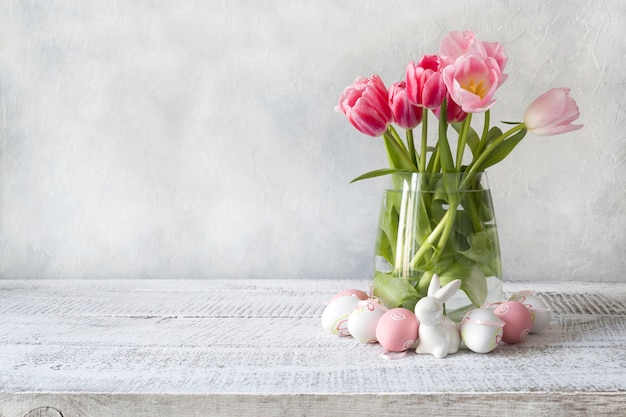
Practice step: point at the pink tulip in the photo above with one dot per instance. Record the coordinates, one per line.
(430, 62)
(405, 114)
(454, 112)
(424, 83)
(365, 104)
(495, 50)
(552, 113)
(472, 81)
(455, 45)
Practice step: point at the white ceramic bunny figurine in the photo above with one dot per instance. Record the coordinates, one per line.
(438, 335)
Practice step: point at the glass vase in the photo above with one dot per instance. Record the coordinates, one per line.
(440, 224)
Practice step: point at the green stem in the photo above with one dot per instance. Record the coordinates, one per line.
(473, 168)
(483, 138)
(412, 151)
(462, 141)
(445, 154)
(443, 241)
(430, 240)
(422, 164)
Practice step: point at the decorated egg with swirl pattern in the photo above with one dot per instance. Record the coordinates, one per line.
(540, 313)
(481, 330)
(363, 320)
(397, 330)
(517, 321)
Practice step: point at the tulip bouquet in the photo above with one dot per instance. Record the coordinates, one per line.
(455, 84)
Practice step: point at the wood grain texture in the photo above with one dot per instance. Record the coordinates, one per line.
(256, 347)
(44, 412)
(323, 405)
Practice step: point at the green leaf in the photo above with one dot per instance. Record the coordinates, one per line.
(493, 134)
(398, 156)
(473, 281)
(439, 191)
(379, 173)
(502, 150)
(423, 217)
(388, 227)
(463, 227)
(445, 155)
(481, 247)
(395, 291)
(484, 250)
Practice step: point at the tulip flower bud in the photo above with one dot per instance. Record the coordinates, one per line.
(405, 114)
(552, 113)
(365, 104)
(424, 83)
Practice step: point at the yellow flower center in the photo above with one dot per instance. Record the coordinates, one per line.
(479, 89)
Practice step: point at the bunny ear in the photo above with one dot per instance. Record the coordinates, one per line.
(434, 286)
(448, 290)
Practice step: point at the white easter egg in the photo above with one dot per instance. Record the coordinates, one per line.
(363, 320)
(539, 311)
(481, 330)
(335, 315)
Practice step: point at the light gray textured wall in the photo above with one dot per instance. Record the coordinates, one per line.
(198, 139)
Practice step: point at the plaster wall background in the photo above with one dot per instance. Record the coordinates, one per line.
(160, 139)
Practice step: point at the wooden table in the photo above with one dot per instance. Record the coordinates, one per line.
(256, 348)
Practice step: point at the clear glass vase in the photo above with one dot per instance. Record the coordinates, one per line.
(440, 224)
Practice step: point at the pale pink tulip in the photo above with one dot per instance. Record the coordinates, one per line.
(455, 45)
(552, 113)
(424, 82)
(365, 104)
(472, 81)
(405, 114)
(495, 50)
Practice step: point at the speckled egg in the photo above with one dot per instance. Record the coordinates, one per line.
(363, 320)
(539, 311)
(481, 330)
(336, 313)
(397, 330)
(517, 321)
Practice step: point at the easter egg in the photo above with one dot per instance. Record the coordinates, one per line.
(363, 320)
(397, 330)
(517, 321)
(539, 311)
(481, 330)
(361, 295)
(336, 313)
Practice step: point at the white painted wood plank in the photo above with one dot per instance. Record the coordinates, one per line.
(171, 341)
(481, 404)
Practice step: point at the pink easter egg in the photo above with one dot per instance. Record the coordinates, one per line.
(361, 295)
(517, 321)
(540, 313)
(397, 330)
